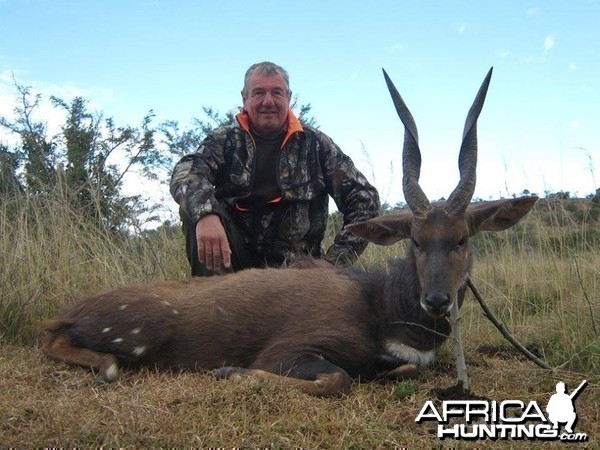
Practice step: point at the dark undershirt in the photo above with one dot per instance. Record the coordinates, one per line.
(265, 188)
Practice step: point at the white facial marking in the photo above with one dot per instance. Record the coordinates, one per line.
(175, 312)
(166, 303)
(136, 331)
(118, 340)
(139, 351)
(408, 354)
(111, 372)
(106, 330)
(122, 307)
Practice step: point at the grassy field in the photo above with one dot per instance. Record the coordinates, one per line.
(541, 279)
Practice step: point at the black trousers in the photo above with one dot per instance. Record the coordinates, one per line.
(242, 257)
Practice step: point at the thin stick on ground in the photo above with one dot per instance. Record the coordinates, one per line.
(490, 315)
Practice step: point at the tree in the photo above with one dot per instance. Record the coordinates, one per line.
(559, 195)
(9, 181)
(182, 142)
(87, 162)
(36, 152)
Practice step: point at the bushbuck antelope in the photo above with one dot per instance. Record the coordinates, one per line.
(312, 328)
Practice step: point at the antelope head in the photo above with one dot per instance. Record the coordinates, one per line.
(440, 232)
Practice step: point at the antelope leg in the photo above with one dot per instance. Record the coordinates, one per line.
(311, 374)
(403, 372)
(59, 347)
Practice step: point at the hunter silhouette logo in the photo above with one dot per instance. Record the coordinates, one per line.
(508, 419)
(560, 406)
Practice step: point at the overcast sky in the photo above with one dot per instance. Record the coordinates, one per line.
(539, 129)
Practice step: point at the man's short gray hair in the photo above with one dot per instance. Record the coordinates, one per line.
(265, 68)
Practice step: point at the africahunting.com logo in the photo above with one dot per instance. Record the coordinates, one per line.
(509, 419)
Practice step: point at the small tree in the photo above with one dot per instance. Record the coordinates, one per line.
(87, 162)
(9, 181)
(36, 152)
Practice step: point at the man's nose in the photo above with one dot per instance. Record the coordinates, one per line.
(268, 99)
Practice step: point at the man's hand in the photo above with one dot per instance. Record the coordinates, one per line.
(213, 247)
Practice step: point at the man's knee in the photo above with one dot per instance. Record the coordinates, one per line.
(241, 257)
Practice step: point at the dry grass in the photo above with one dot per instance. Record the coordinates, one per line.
(48, 404)
(49, 254)
(541, 279)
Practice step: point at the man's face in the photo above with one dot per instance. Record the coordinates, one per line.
(267, 102)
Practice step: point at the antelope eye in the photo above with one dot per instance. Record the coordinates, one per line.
(461, 243)
(416, 244)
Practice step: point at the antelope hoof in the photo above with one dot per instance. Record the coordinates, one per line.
(403, 372)
(228, 373)
(109, 370)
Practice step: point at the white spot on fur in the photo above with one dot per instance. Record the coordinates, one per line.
(139, 351)
(122, 307)
(166, 303)
(136, 331)
(407, 354)
(175, 312)
(111, 372)
(106, 330)
(118, 340)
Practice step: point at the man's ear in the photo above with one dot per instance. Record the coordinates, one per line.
(498, 215)
(384, 230)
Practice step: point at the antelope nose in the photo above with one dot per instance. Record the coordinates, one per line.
(437, 302)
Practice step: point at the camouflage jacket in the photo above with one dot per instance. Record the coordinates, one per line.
(311, 168)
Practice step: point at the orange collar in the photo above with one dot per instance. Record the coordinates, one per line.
(294, 124)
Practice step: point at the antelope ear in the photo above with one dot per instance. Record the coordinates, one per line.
(498, 215)
(384, 230)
